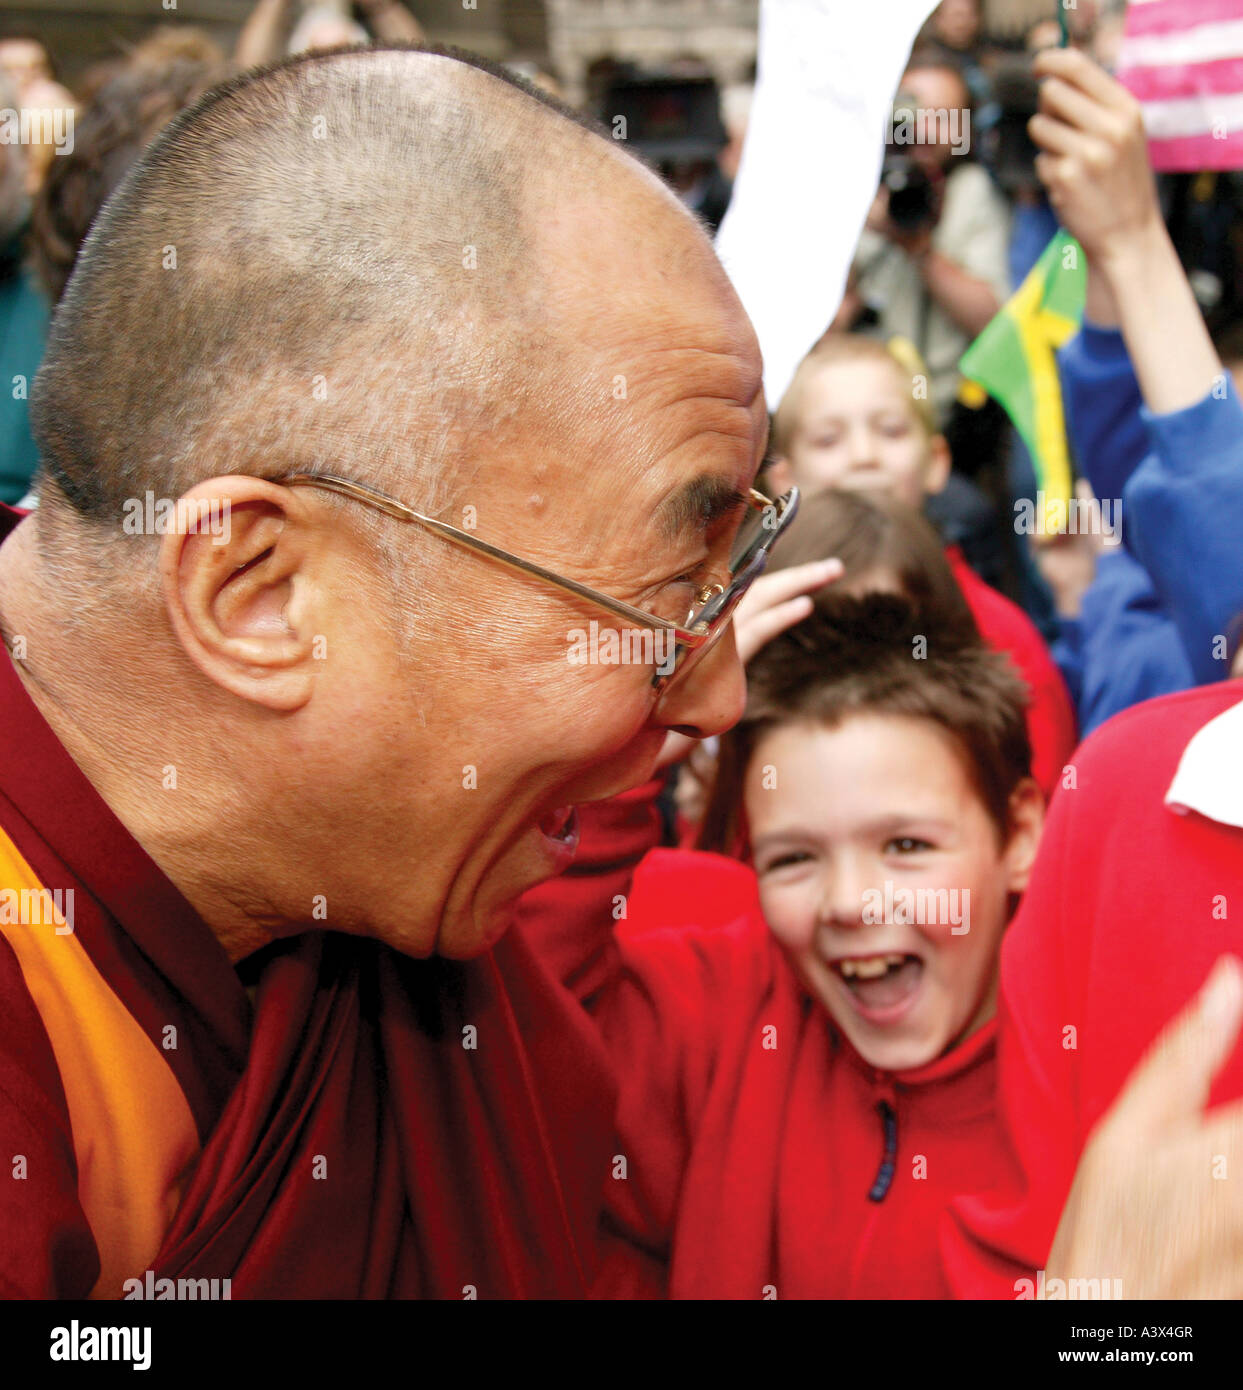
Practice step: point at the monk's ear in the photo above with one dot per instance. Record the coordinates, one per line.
(234, 569)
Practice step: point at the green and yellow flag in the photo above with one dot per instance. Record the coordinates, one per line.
(1012, 360)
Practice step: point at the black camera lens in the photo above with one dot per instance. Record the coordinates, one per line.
(910, 196)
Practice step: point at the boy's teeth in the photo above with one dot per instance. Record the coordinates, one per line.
(871, 969)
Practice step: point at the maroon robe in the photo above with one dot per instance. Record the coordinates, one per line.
(340, 1138)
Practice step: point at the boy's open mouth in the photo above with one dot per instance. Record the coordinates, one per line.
(880, 984)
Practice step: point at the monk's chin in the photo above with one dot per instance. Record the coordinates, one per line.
(540, 853)
(478, 934)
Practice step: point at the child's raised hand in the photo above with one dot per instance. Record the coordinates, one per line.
(777, 601)
(1094, 162)
(1067, 562)
(1094, 154)
(1155, 1201)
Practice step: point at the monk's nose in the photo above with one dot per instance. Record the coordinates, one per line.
(710, 697)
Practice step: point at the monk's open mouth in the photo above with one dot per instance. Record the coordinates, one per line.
(880, 984)
(561, 826)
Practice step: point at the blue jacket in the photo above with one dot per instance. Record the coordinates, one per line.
(1163, 604)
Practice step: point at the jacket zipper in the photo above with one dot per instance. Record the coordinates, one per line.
(889, 1159)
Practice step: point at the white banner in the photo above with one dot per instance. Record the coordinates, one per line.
(828, 74)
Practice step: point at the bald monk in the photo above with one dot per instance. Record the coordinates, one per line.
(273, 772)
(275, 758)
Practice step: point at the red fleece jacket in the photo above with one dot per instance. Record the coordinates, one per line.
(1129, 906)
(762, 1155)
(1005, 627)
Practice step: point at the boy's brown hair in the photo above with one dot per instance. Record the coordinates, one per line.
(878, 654)
(870, 533)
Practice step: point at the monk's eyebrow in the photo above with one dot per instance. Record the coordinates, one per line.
(698, 505)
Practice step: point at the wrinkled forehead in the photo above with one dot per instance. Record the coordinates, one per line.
(620, 239)
(656, 344)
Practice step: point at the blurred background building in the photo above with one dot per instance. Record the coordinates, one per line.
(563, 36)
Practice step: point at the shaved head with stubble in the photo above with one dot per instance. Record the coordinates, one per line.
(402, 267)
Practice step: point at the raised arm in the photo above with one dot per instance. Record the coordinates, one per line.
(391, 22)
(264, 34)
(1183, 505)
(1094, 163)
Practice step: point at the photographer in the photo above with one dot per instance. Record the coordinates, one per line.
(931, 264)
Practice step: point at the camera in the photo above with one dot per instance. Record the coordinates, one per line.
(912, 194)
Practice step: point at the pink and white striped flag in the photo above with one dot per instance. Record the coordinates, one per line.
(1183, 60)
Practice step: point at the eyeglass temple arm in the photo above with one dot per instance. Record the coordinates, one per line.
(332, 483)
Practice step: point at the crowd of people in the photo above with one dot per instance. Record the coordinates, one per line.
(394, 954)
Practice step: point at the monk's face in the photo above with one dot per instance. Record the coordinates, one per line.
(500, 707)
